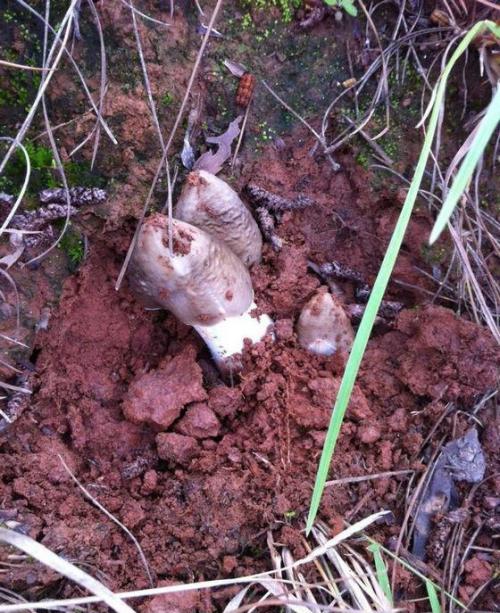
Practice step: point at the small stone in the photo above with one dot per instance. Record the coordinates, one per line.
(199, 421)
(369, 433)
(234, 455)
(491, 502)
(177, 448)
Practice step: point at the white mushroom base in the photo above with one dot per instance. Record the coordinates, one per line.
(226, 338)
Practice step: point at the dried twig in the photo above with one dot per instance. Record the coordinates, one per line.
(103, 509)
(34, 226)
(383, 475)
(78, 196)
(388, 311)
(338, 270)
(65, 27)
(267, 225)
(319, 137)
(77, 70)
(17, 403)
(260, 197)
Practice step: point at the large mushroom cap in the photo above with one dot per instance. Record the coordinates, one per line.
(323, 325)
(211, 204)
(202, 282)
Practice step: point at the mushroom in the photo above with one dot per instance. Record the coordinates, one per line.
(209, 203)
(202, 282)
(323, 325)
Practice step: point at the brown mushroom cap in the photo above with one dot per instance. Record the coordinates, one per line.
(211, 204)
(323, 325)
(202, 282)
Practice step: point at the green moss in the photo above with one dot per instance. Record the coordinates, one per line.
(80, 174)
(436, 254)
(266, 133)
(72, 245)
(246, 21)
(287, 8)
(43, 171)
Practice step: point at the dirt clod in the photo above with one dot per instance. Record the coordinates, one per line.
(199, 421)
(177, 448)
(179, 602)
(157, 398)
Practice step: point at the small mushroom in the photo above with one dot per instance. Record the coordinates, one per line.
(211, 204)
(323, 325)
(202, 282)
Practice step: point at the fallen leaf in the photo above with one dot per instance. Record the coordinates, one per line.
(212, 162)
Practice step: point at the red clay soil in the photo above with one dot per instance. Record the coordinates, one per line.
(199, 470)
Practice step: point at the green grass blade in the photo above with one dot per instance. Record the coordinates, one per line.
(418, 574)
(433, 597)
(366, 325)
(485, 130)
(381, 569)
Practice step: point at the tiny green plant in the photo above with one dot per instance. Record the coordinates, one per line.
(167, 99)
(435, 108)
(347, 5)
(72, 244)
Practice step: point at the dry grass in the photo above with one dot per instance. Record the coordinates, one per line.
(343, 578)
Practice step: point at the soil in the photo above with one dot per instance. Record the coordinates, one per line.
(200, 469)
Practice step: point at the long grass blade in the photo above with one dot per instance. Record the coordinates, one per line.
(382, 280)
(485, 130)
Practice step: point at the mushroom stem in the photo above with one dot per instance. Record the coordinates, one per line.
(226, 339)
